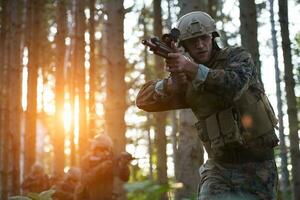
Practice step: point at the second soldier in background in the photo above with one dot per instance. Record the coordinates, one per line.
(99, 168)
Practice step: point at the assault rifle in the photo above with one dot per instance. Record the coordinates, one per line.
(162, 47)
(95, 160)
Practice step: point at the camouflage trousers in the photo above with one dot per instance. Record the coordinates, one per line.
(247, 181)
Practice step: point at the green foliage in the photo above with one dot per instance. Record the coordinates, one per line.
(46, 195)
(145, 190)
(137, 174)
(282, 196)
(19, 198)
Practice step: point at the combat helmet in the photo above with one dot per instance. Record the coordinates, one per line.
(195, 24)
(37, 168)
(102, 141)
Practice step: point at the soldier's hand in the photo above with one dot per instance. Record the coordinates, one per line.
(178, 64)
(125, 158)
(107, 164)
(175, 61)
(182, 78)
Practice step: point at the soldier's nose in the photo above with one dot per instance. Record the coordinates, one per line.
(199, 43)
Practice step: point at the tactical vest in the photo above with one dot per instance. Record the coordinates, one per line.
(225, 124)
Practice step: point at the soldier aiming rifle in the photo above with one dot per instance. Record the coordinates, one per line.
(235, 119)
(99, 168)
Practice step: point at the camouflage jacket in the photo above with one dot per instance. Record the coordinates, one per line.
(64, 190)
(225, 84)
(98, 178)
(231, 86)
(36, 184)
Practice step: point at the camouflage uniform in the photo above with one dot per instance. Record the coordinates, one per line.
(239, 166)
(255, 180)
(65, 190)
(37, 181)
(55, 179)
(99, 171)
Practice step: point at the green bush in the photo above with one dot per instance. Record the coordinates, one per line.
(46, 195)
(145, 190)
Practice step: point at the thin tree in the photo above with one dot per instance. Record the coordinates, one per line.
(212, 8)
(248, 31)
(11, 100)
(174, 113)
(284, 181)
(2, 56)
(71, 83)
(291, 98)
(192, 5)
(35, 8)
(160, 117)
(59, 136)
(92, 71)
(3, 101)
(15, 107)
(80, 75)
(190, 149)
(147, 71)
(115, 102)
(6, 155)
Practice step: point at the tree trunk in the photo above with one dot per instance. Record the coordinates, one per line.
(147, 72)
(34, 27)
(149, 148)
(92, 72)
(173, 113)
(72, 85)
(190, 148)
(284, 181)
(59, 136)
(189, 156)
(248, 31)
(79, 53)
(15, 92)
(187, 6)
(160, 118)
(6, 116)
(175, 128)
(291, 98)
(212, 8)
(115, 102)
(161, 145)
(3, 101)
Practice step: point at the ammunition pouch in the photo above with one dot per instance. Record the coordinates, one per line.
(220, 129)
(257, 118)
(249, 123)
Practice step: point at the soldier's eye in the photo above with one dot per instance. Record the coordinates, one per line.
(192, 41)
(205, 37)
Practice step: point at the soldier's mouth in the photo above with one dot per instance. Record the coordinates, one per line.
(202, 53)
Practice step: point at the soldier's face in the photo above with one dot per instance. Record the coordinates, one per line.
(200, 48)
(101, 151)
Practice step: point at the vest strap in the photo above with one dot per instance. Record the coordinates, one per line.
(243, 155)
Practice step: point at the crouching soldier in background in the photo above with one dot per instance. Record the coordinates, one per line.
(55, 179)
(37, 181)
(65, 190)
(99, 168)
